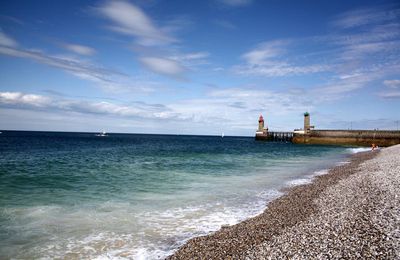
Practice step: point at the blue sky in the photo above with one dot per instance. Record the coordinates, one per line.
(198, 67)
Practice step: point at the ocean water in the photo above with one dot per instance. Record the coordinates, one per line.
(78, 195)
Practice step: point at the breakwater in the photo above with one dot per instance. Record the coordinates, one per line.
(348, 137)
(308, 135)
(275, 136)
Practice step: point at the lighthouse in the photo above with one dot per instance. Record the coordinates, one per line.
(307, 126)
(260, 124)
(262, 130)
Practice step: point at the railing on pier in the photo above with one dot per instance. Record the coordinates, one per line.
(280, 136)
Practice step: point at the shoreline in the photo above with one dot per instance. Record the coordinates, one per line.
(262, 236)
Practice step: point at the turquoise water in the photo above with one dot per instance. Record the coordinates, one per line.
(79, 195)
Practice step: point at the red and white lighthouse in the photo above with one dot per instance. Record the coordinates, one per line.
(260, 124)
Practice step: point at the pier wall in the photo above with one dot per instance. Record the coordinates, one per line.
(349, 137)
(275, 136)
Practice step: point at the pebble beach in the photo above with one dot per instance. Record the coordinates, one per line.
(351, 212)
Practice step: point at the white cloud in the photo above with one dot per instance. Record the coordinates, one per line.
(269, 59)
(129, 19)
(154, 43)
(371, 34)
(163, 66)
(264, 52)
(107, 79)
(232, 108)
(173, 64)
(393, 91)
(365, 16)
(78, 68)
(394, 83)
(176, 23)
(349, 59)
(279, 69)
(236, 109)
(390, 95)
(191, 56)
(7, 41)
(190, 60)
(18, 98)
(33, 101)
(346, 83)
(79, 49)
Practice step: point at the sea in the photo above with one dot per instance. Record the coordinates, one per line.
(136, 196)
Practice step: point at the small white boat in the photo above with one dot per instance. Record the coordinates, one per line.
(102, 134)
(222, 135)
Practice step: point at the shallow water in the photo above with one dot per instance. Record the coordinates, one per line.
(137, 196)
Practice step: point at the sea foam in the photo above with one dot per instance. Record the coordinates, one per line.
(358, 149)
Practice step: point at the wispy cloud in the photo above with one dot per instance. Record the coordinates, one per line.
(365, 16)
(6, 40)
(17, 98)
(225, 24)
(176, 23)
(11, 19)
(390, 95)
(392, 91)
(129, 19)
(163, 66)
(368, 47)
(336, 88)
(364, 47)
(39, 102)
(191, 56)
(394, 83)
(154, 43)
(226, 108)
(174, 65)
(234, 108)
(264, 52)
(190, 60)
(235, 3)
(268, 60)
(105, 78)
(81, 69)
(79, 49)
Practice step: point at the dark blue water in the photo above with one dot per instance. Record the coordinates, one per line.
(78, 194)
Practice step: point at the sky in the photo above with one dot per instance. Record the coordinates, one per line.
(198, 67)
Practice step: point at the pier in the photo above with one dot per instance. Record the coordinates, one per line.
(274, 136)
(280, 136)
(309, 135)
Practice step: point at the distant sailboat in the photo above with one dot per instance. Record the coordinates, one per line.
(102, 134)
(222, 135)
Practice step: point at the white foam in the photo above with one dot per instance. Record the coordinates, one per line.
(358, 150)
(113, 230)
(342, 163)
(321, 172)
(298, 182)
(307, 179)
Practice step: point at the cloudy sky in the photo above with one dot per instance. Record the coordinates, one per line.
(198, 67)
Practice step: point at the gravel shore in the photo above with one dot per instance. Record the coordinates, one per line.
(352, 212)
